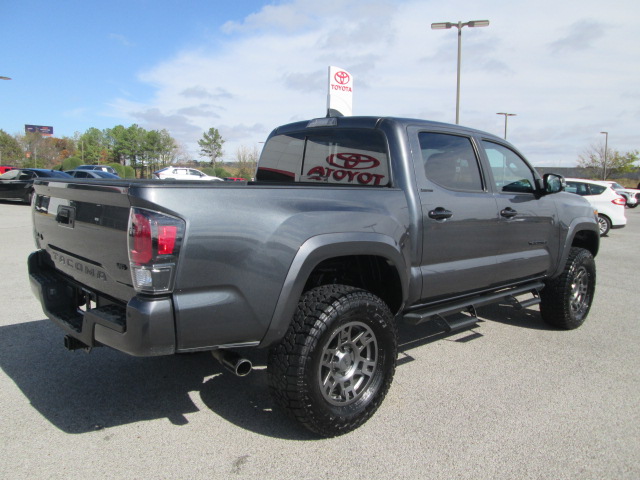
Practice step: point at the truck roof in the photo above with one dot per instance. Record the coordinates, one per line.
(373, 122)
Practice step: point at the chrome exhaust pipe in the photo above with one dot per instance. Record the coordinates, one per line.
(233, 362)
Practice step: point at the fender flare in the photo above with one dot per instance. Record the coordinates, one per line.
(323, 247)
(577, 225)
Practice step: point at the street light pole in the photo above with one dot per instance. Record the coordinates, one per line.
(606, 147)
(505, 120)
(459, 25)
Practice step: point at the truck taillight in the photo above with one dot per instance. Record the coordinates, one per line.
(154, 246)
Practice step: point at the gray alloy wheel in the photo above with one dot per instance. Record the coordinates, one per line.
(579, 299)
(348, 363)
(566, 299)
(334, 366)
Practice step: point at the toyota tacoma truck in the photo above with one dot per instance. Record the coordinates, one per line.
(352, 225)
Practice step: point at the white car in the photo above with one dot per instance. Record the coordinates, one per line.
(183, 173)
(631, 195)
(604, 199)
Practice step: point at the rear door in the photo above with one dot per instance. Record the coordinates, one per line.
(459, 214)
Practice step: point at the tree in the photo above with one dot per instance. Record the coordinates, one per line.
(92, 146)
(602, 164)
(247, 160)
(160, 148)
(211, 145)
(39, 150)
(10, 150)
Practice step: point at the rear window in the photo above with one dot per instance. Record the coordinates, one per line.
(345, 156)
(596, 189)
(52, 173)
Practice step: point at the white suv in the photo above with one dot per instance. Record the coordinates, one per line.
(183, 173)
(603, 198)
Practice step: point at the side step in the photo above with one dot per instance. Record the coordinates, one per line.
(469, 305)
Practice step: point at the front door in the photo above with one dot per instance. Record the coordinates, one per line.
(528, 243)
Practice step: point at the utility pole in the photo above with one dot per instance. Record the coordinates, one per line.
(606, 147)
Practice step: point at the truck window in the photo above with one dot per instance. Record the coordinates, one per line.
(450, 161)
(345, 156)
(510, 172)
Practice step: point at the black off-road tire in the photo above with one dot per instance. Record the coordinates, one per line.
(604, 224)
(566, 300)
(336, 362)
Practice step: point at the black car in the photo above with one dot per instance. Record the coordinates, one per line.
(103, 168)
(80, 173)
(18, 184)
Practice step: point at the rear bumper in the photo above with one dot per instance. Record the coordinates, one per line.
(142, 327)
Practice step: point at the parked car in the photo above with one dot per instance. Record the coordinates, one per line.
(603, 198)
(104, 168)
(90, 174)
(631, 195)
(17, 184)
(183, 173)
(6, 168)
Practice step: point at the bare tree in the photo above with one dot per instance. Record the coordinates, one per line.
(247, 160)
(601, 163)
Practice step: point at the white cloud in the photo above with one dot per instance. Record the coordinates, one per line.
(565, 75)
(121, 39)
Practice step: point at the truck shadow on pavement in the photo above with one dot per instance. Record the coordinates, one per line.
(80, 393)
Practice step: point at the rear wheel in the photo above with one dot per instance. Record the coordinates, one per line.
(604, 224)
(566, 300)
(336, 362)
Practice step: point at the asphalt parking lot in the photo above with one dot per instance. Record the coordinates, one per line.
(510, 399)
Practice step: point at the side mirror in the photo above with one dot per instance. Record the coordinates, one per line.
(553, 183)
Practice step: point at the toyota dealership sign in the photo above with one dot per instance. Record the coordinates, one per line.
(340, 97)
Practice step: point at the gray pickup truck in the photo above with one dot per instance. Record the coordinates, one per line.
(353, 225)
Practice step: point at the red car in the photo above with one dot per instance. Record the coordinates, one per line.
(6, 168)
(234, 179)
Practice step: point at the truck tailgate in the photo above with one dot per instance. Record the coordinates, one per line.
(83, 230)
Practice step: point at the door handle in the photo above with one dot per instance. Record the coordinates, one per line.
(508, 212)
(440, 214)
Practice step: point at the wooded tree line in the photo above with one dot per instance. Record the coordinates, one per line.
(143, 150)
(134, 146)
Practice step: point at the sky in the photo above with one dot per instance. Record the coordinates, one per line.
(568, 70)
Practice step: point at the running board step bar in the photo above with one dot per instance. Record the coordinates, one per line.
(470, 304)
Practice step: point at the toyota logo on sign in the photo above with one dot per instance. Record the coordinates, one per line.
(353, 161)
(342, 77)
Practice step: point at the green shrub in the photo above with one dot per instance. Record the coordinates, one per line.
(118, 168)
(129, 172)
(70, 163)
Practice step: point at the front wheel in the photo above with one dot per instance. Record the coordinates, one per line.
(336, 362)
(566, 300)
